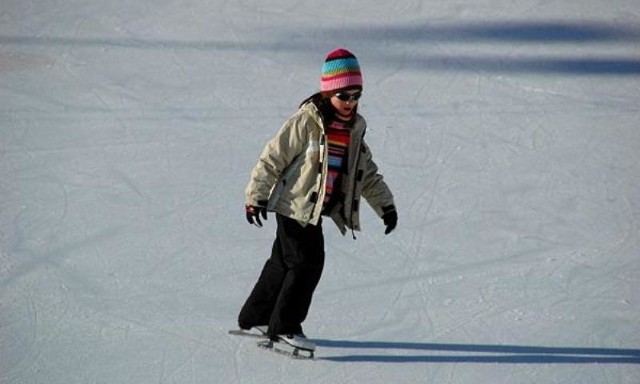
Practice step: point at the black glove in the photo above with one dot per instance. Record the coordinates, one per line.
(255, 211)
(390, 218)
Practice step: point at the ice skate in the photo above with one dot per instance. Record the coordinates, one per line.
(299, 341)
(295, 346)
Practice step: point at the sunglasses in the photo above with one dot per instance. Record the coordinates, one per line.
(348, 97)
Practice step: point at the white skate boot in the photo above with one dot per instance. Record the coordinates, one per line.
(299, 341)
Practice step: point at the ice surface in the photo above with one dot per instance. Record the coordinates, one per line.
(508, 132)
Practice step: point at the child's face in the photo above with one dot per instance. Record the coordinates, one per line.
(345, 101)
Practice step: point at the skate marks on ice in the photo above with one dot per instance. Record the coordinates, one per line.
(387, 352)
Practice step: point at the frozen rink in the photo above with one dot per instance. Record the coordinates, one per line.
(508, 131)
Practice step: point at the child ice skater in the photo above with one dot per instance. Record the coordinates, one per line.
(317, 166)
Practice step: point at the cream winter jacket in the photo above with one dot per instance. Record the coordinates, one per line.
(292, 169)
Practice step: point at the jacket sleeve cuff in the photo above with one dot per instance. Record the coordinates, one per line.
(387, 209)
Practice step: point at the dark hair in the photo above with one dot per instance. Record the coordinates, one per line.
(323, 103)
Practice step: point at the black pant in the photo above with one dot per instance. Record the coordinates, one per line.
(282, 296)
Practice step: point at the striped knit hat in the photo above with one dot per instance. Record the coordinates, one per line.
(340, 70)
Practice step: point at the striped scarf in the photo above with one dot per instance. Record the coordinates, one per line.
(338, 138)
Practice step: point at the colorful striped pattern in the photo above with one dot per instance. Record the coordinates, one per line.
(340, 70)
(338, 138)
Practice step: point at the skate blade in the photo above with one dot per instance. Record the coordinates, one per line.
(286, 349)
(242, 332)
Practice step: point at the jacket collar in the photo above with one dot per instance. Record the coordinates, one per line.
(359, 124)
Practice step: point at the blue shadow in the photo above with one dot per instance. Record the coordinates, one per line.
(504, 34)
(509, 64)
(507, 34)
(472, 353)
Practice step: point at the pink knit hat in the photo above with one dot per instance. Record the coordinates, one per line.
(340, 70)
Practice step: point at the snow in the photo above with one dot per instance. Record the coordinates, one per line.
(508, 132)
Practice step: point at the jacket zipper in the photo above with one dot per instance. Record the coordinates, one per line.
(316, 194)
